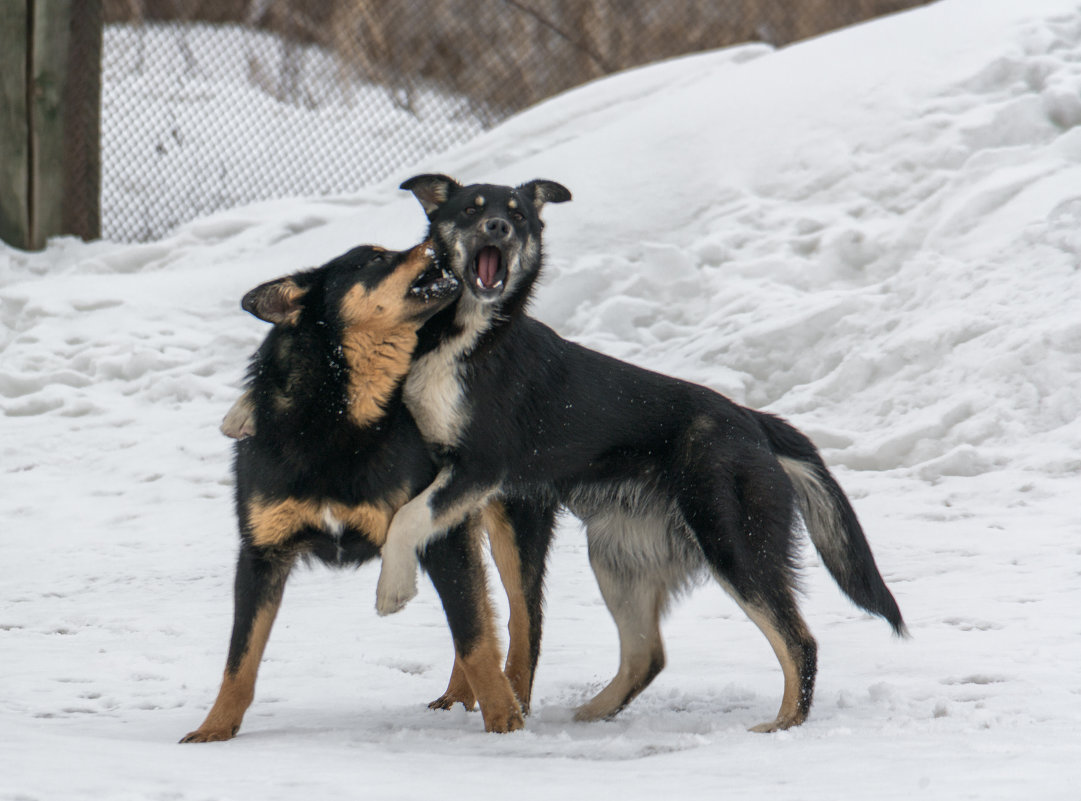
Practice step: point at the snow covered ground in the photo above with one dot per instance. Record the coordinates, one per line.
(876, 233)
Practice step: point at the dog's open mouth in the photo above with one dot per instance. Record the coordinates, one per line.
(434, 283)
(490, 271)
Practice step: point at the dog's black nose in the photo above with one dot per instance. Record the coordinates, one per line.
(497, 228)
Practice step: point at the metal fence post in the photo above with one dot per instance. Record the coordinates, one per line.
(50, 142)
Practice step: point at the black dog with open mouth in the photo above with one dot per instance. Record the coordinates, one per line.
(672, 480)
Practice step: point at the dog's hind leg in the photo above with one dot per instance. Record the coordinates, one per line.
(458, 691)
(747, 539)
(636, 600)
(520, 532)
(259, 585)
(797, 652)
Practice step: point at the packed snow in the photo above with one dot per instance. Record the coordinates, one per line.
(876, 233)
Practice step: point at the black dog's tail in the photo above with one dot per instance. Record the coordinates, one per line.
(831, 521)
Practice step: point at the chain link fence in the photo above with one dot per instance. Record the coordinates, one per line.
(208, 104)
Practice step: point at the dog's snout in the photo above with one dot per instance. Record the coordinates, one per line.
(497, 227)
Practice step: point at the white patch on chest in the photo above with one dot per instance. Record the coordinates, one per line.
(433, 390)
(433, 395)
(334, 526)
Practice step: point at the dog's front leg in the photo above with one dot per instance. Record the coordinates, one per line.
(258, 587)
(412, 527)
(436, 509)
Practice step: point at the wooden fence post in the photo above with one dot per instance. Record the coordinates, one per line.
(50, 123)
(14, 154)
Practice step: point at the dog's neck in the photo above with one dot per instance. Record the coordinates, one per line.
(377, 362)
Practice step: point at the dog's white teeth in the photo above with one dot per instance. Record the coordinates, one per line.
(498, 285)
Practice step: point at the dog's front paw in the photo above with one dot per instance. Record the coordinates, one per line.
(397, 585)
(459, 690)
(505, 722)
(448, 699)
(205, 734)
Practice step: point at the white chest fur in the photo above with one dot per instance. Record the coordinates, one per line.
(433, 395)
(433, 390)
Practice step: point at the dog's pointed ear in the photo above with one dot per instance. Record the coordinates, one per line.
(277, 302)
(432, 190)
(541, 192)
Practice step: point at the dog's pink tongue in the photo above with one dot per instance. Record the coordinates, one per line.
(487, 266)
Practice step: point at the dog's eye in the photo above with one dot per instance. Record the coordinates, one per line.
(517, 216)
(470, 210)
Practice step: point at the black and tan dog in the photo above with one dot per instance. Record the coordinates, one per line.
(333, 454)
(672, 479)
